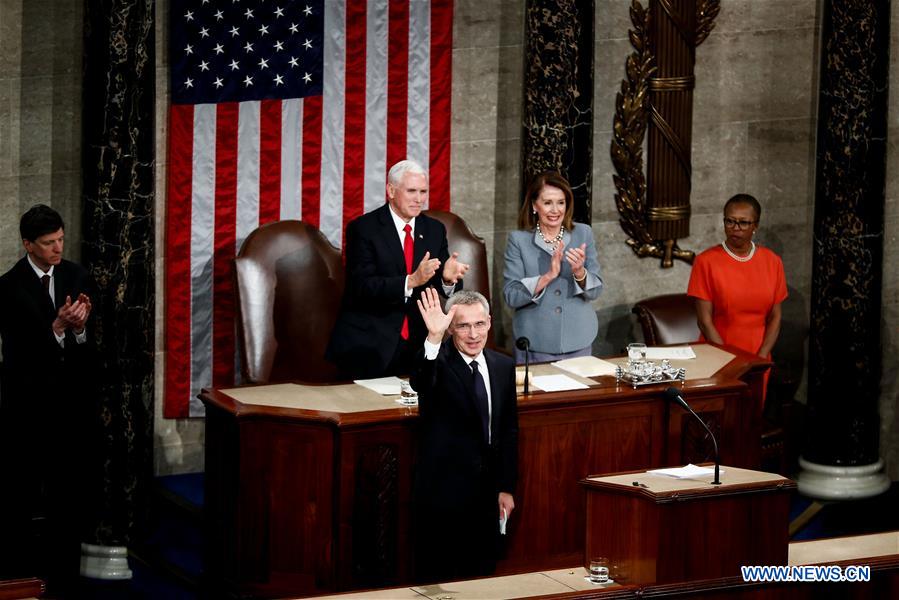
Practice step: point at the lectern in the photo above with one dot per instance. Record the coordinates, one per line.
(657, 529)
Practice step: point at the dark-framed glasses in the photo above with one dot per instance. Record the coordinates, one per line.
(735, 224)
(477, 327)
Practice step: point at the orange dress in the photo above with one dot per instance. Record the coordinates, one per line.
(742, 293)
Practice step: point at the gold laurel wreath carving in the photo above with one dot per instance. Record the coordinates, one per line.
(632, 112)
(629, 129)
(706, 11)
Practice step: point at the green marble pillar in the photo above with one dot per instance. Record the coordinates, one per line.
(558, 96)
(118, 189)
(841, 456)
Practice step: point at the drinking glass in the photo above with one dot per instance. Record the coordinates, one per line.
(599, 570)
(408, 395)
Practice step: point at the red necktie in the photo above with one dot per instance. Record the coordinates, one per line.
(407, 250)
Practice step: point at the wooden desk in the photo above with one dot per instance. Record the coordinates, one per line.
(305, 500)
(667, 530)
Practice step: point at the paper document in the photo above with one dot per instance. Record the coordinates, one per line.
(502, 523)
(386, 386)
(671, 353)
(687, 472)
(586, 366)
(557, 383)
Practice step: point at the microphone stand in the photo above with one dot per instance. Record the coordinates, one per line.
(524, 344)
(674, 394)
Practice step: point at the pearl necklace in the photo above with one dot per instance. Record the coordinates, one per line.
(736, 257)
(553, 241)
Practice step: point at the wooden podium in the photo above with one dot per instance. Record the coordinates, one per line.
(666, 530)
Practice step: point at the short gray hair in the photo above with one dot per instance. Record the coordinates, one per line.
(395, 175)
(467, 298)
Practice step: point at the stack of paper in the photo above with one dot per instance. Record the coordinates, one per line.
(386, 386)
(671, 353)
(557, 383)
(687, 472)
(586, 366)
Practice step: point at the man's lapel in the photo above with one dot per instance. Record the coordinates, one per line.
(495, 394)
(460, 367)
(33, 286)
(391, 240)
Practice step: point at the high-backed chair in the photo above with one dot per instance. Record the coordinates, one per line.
(667, 319)
(671, 319)
(289, 282)
(472, 250)
(470, 247)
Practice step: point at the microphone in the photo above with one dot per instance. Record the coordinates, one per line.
(524, 344)
(674, 394)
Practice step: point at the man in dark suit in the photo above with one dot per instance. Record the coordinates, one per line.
(47, 368)
(468, 442)
(392, 253)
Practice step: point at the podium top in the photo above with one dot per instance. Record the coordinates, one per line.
(662, 488)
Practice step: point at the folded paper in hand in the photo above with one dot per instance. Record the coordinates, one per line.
(687, 472)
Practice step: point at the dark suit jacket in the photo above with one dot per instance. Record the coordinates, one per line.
(47, 415)
(457, 466)
(367, 330)
(39, 377)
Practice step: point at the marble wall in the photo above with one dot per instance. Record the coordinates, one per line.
(40, 117)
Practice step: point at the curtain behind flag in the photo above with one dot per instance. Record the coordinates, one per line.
(292, 109)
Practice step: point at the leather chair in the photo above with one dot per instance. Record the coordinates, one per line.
(472, 250)
(667, 319)
(289, 282)
(671, 319)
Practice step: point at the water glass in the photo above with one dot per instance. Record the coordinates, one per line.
(599, 570)
(636, 351)
(408, 396)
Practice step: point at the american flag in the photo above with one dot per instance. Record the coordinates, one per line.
(286, 109)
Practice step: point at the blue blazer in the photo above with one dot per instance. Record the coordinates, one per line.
(561, 318)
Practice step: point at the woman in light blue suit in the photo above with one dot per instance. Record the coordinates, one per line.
(551, 274)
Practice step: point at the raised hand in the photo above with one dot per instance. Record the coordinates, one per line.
(425, 271)
(454, 270)
(433, 316)
(576, 258)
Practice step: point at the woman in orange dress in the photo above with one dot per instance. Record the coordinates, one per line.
(738, 285)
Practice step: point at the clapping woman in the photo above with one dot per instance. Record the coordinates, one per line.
(551, 275)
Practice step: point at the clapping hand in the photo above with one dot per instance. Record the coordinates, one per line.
(426, 269)
(555, 267)
(72, 315)
(454, 269)
(576, 258)
(434, 318)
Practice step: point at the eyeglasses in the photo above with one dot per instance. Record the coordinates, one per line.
(734, 224)
(477, 327)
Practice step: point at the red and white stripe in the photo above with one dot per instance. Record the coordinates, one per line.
(235, 166)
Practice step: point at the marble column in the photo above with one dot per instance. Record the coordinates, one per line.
(558, 96)
(118, 164)
(841, 456)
